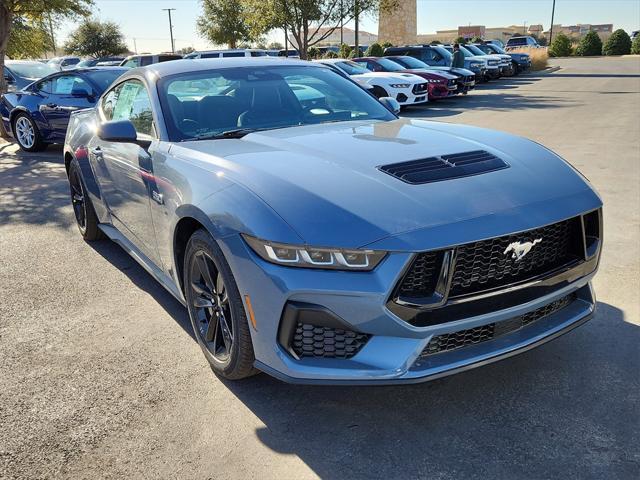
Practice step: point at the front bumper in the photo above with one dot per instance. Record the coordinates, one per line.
(407, 96)
(393, 351)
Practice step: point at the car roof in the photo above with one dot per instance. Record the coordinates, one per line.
(23, 62)
(332, 60)
(165, 69)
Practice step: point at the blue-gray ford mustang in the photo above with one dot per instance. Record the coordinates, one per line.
(315, 236)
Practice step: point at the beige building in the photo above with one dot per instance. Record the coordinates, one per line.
(349, 36)
(604, 30)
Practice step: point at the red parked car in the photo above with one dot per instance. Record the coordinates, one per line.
(441, 84)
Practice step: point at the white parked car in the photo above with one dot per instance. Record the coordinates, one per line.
(64, 63)
(406, 88)
(240, 52)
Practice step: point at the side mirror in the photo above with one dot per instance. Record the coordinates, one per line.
(391, 104)
(120, 131)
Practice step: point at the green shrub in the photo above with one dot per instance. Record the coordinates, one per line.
(374, 50)
(618, 43)
(330, 54)
(635, 46)
(387, 45)
(590, 45)
(345, 51)
(460, 40)
(561, 46)
(476, 40)
(313, 53)
(436, 42)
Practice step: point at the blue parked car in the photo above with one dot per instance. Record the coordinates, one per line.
(20, 73)
(38, 115)
(314, 235)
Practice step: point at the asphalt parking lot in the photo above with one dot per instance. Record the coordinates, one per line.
(100, 376)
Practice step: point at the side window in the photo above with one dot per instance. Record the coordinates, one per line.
(130, 101)
(44, 86)
(67, 84)
(233, 54)
(144, 61)
(132, 63)
(109, 102)
(210, 55)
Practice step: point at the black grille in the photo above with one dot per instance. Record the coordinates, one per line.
(420, 88)
(313, 341)
(470, 78)
(488, 264)
(422, 276)
(444, 167)
(463, 338)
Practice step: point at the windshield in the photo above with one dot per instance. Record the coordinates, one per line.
(474, 49)
(31, 70)
(352, 68)
(443, 51)
(496, 48)
(103, 78)
(517, 41)
(390, 66)
(87, 63)
(410, 62)
(466, 52)
(216, 103)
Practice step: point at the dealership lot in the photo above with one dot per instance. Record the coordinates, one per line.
(100, 375)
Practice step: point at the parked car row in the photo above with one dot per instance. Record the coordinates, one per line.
(42, 96)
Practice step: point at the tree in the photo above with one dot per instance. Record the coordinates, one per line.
(618, 43)
(35, 11)
(374, 50)
(96, 39)
(309, 22)
(387, 45)
(313, 53)
(185, 50)
(29, 39)
(275, 46)
(330, 54)
(476, 39)
(561, 46)
(460, 40)
(345, 51)
(590, 45)
(223, 22)
(635, 46)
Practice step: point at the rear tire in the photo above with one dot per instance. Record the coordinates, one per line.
(85, 214)
(27, 134)
(216, 310)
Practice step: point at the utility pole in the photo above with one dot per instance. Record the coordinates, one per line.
(135, 45)
(169, 10)
(356, 18)
(553, 11)
(524, 28)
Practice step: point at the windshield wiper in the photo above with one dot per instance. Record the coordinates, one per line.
(235, 133)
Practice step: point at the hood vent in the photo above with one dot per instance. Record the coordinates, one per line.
(445, 167)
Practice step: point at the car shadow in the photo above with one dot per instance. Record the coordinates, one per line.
(570, 405)
(33, 187)
(121, 260)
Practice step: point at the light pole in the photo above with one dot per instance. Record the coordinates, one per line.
(169, 10)
(553, 11)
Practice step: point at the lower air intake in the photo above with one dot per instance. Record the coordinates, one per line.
(471, 336)
(326, 342)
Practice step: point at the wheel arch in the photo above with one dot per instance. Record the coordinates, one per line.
(191, 220)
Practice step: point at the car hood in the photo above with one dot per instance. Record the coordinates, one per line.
(324, 180)
(432, 74)
(388, 76)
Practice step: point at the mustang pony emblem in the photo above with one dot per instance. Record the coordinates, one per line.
(519, 250)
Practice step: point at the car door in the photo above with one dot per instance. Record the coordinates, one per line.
(124, 169)
(66, 93)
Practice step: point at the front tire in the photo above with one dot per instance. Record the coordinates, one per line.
(27, 134)
(86, 218)
(215, 308)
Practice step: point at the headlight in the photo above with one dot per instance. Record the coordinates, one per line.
(311, 257)
(400, 85)
(475, 65)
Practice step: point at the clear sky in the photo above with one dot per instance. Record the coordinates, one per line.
(144, 20)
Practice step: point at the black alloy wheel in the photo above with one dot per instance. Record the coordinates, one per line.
(211, 306)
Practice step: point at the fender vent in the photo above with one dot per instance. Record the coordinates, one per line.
(445, 167)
